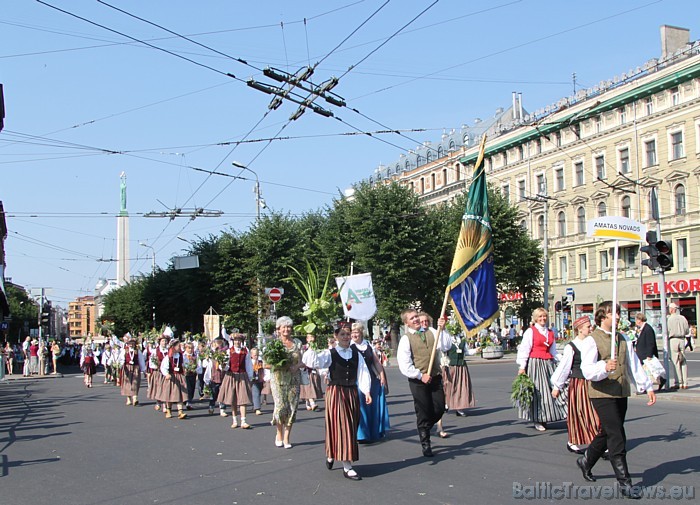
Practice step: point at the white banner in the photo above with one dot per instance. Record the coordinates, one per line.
(357, 295)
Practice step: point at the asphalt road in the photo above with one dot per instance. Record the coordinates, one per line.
(61, 443)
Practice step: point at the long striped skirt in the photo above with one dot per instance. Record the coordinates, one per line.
(544, 408)
(458, 388)
(583, 423)
(131, 380)
(342, 420)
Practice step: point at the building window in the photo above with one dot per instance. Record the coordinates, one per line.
(559, 174)
(440, 153)
(422, 185)
(541, 187)
(561, 222)
(598, 124)
(444, 177)
(679, 198)
(602, 209)
(649, 105)
(677, 151)
(626, 207)
(505, 191)
(578, 171)
(624, 160)
(583, 266)
(623, 115)
(521, 190)
(557, 139)
(408, 165)
(675, 95)
(430, 155)
(604, 265)
(432, 182)
(650, 153)
(523, 225)
(581, 218)
(563, 271)
(420, 161)
(540, 227)
(630, 258)
(682, 254)
(413, 187)
(538, 146)
(521, 153)
(600, 166)
(452, 145)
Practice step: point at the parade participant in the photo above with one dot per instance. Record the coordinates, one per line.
(581, 421)
(105, 360)
(158, 355)
(190, 365)
(133, 365)
(174, 388)
(413, 356)
(201, 349)
(213, 376)
(537, 355)
(311, 391)
(374, 416)
(678, 328)
(609, 388)
(235, 387)
(347, 373)
(88, 363)
(256, 385)
(285, 383)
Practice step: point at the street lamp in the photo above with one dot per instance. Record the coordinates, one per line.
(259, 204)
(153, 276)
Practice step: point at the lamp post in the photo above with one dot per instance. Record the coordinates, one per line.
(153, 276)
(259, 203)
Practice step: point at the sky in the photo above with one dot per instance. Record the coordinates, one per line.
(158, 90)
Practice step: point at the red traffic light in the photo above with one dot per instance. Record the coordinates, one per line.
(663, 247)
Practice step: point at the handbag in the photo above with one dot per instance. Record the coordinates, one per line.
(653, 368)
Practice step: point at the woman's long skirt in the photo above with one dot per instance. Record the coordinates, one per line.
(459, 393)
(174, 389)
(544, 408)
(235, 390)
(155, 383)
(312, 390)
(342, 420)
(583, 423)
(131, 380)
(285, 387)
(374, 418)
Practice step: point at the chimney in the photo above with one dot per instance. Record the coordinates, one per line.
(520, 106)
(514, 110)
(673, 38)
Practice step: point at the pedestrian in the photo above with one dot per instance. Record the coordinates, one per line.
(285, 383)
(609, 389)
(537, 356)
(347, 373)
(256, 385)
(9, 358)
(174, 388)
(645, 346)
(55, 353)
(689, 339)
(581, 421)
(678, 328)
(132, 364)
(374, 416)
(235, 387)
(425, 382)
(88, 363)
(511, 337)
(34, 357)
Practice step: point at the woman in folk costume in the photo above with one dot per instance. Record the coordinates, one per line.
(459, 393)
(235, 388)
(213, 377)
(191, 367)
(582, 421)
(155, 380)
(312, 391)
(133, 365)
(537, 355)
(88, 362)
(174, 388)
(374, 417)
(347, 372)
(106, 361)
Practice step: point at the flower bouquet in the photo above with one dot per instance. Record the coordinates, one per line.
(220, 357)
(522, 392)
(206, 392)
(320, 343)
(275, 354)
(321, 307)
(155, 361)
(191, 368)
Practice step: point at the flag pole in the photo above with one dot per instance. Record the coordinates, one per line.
(439, 333)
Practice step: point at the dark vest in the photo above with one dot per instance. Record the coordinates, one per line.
(180, 364)
(457, 358)
(617, 384)
(576, 363)
(420, 351)
(343, 371)
(237, 360)
(129, 361)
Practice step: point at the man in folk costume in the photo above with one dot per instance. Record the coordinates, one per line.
(133, 365)
(610, 378)
(413, 356)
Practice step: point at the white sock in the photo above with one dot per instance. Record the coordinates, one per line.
(242, 420)
(347, 465)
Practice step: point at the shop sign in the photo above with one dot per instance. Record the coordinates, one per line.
(511, 297)
(617, 228)
(672, 287)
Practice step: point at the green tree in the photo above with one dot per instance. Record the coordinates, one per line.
(128, 308)
(23, 310)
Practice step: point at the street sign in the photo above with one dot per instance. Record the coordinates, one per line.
(274, 294)
(4, 325)
(569, 291)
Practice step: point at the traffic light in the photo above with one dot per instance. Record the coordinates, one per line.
(45, 315)
(565, 305)
(650, 249)
(665, 255)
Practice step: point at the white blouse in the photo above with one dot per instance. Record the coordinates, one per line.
(323, 359)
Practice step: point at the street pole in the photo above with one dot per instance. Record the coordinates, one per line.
(153, 276)
(662, 288)
(258, 206)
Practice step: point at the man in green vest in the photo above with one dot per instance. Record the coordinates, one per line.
(609, 389)
(413, 356)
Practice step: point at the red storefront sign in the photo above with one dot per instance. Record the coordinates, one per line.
(510, 297)
(679, 286)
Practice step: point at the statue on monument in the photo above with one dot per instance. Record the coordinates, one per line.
(122, 185)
